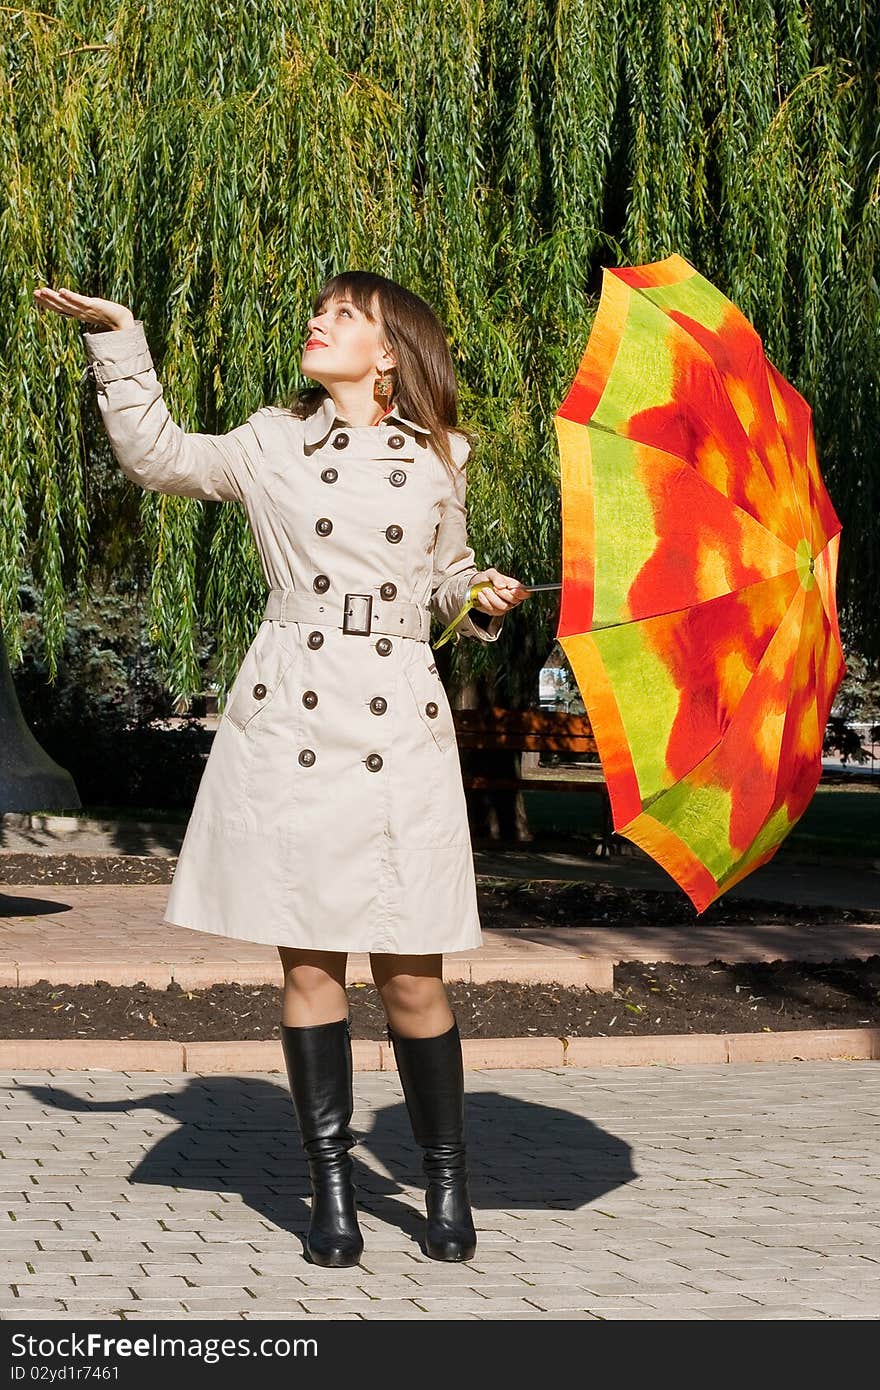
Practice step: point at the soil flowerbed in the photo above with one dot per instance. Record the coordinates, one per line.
(721, 997)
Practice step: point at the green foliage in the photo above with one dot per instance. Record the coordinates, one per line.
(210, 164)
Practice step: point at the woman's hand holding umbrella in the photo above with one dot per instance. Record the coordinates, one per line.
(498, 592)
(491, 592)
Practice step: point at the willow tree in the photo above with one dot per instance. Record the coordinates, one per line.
(210, 164)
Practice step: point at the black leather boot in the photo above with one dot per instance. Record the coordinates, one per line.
(432, 1077)
(320, 1074)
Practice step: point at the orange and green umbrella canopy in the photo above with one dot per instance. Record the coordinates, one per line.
(699, 551)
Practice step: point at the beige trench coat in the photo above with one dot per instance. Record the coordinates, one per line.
(330, 814)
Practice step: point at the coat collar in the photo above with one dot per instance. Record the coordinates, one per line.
(318, 426)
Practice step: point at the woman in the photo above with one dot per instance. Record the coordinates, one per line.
(330, 816)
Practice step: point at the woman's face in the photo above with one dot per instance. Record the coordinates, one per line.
(343, 345)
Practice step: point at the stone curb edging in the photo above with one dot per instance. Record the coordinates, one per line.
(543, 965)
(693, 1049)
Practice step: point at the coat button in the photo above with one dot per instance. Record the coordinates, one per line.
(320, 583)
(431, 709)
(396, 441)
(374, 762)
(340, 441)
(388, 591)
(383, 646)
(397, 478)
(316, 640)
(378, 704)
(310, 699)
(324, 526)
(329, 475)
(306, 757)
(393, 534)
(259, 692)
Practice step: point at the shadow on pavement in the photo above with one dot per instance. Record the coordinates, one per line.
(239, 1135)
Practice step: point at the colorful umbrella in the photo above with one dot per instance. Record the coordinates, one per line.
(699, 563)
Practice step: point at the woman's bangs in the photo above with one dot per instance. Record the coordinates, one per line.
(348, 286)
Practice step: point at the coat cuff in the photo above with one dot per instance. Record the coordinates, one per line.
(116, 353)
(485, 627)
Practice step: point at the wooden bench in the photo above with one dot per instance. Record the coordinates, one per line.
(498, 730)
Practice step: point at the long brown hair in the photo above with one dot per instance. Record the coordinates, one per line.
(425, 390)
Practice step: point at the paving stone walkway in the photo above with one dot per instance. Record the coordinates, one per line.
(79, 933)
(748, 1192)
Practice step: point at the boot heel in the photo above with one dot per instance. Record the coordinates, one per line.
(319, 1070)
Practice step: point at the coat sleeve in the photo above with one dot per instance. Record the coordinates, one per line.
(454, 566)
(150, 448)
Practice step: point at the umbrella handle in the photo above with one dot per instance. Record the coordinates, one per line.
(469, 603)
(465, 608)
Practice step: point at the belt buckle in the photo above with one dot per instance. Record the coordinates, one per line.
(357, 614)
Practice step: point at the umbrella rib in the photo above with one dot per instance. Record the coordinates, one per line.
(794, 666)
(735, 506)
(720, 739)
(805, 521)
(704, 353)
(691, 607)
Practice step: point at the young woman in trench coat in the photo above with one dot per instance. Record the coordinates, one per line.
(330, 816)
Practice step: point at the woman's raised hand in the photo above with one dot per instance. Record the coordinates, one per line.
(97, 313)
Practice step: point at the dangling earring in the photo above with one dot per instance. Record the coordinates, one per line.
(383, 387)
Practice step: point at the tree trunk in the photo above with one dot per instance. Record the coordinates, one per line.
(29, 779)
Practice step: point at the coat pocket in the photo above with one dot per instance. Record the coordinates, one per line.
(256, 685)
(432, 703)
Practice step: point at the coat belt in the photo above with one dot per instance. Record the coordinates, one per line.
(357, 614)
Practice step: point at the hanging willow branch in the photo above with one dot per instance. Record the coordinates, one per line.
(209, 165)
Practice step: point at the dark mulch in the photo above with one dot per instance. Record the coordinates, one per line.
(653, 998)
(85, 868)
